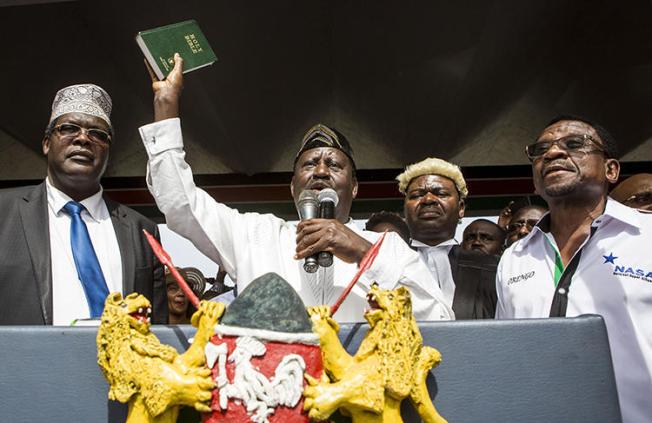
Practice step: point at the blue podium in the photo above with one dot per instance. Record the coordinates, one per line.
(538, 370)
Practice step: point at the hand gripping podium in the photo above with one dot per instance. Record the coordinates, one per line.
(533, 370)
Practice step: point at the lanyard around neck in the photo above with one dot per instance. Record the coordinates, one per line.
(560, 298)
(559, 264)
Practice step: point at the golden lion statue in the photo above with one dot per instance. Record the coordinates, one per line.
(390, 364)
(153, 377)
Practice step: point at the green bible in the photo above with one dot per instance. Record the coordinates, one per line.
(160, 44)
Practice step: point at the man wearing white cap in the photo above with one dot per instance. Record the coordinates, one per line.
(64, 246)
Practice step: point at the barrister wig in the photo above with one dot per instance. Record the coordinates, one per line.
(433, 166)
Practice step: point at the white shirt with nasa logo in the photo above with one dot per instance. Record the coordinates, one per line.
(613, 279)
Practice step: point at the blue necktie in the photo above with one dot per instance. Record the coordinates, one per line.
(88, 267)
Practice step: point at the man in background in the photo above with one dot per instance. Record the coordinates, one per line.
(65, 245)
(635, 192)
(589, 255)
(522, 222)
(387, 221)
(434, 205)
(484, 236)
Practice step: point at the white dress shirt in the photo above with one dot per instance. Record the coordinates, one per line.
(613, 279)
(68, 297)
(436, 257)
(248, 245)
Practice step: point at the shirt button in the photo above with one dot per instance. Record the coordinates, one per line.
(562, 291)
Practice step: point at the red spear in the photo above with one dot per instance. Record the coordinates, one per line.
(164, 258)
(365, 264)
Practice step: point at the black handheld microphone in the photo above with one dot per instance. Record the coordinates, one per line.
(308, 207)
(327, 202)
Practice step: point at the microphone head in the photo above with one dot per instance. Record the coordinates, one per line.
(307, 205)
(307, 196)
(328, 194)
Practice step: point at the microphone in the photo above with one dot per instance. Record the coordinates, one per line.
(308, 207)
(327, 202)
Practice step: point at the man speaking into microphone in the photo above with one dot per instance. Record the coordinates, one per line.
(248, 245)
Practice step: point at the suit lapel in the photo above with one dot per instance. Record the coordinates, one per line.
(35, 223)
(123, 233)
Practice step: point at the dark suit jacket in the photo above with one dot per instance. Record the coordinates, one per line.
(25, 269)
(474, 274)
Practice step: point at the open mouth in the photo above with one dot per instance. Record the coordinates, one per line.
(373, 304)
(319, 185)
(142, 315)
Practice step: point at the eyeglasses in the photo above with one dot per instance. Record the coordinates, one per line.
(69, 130)
(517, 226)
(574, 143)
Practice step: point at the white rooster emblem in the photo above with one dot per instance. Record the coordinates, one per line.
(250, 387)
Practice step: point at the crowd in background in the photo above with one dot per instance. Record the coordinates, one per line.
(514, 222)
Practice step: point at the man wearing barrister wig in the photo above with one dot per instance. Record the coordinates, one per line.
(249, 245)
(434, 192)
(63, 245)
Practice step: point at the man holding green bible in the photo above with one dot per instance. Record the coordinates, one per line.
(248, 245)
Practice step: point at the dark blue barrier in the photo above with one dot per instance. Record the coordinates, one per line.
(548, 370)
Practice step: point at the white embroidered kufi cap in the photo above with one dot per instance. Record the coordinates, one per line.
(82, 98)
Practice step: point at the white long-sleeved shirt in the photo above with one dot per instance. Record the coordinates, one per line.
(248, 245)
(613, 279)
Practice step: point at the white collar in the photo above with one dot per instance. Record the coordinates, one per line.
(418, 244)
(616, 210)
(57, 199)
(613, 210)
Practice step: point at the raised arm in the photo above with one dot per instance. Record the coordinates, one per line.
(213, 228)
